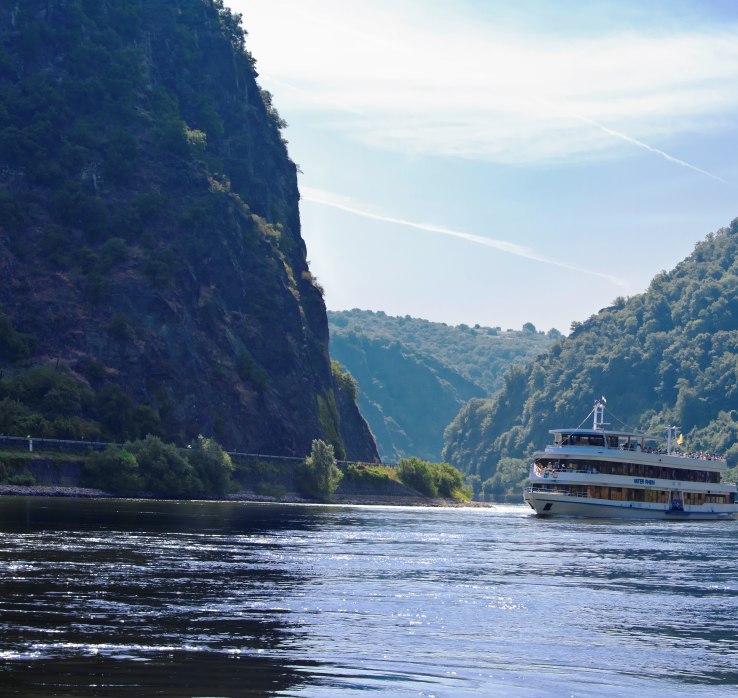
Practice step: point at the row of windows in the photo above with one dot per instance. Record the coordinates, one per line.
(628, 494)
(630, 469)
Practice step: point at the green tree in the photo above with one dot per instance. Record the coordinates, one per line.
(212, 465)
(319, 476)
(164, 470)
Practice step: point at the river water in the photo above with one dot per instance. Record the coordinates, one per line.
(140, 598)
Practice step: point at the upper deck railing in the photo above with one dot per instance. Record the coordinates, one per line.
(637, 448)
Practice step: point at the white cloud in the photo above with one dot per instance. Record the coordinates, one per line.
(396, 77)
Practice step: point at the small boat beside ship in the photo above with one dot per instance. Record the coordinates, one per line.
(605, 473)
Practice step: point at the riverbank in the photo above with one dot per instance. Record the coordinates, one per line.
(246, 496)
(52, 491)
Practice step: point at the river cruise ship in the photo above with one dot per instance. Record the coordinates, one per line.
(605, 473)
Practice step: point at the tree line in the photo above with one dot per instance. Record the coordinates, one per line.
(666, 356)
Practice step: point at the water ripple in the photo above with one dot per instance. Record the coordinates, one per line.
(129, 598)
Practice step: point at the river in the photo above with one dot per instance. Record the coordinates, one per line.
(141, 598)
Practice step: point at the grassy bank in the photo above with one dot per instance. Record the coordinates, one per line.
(55, 473)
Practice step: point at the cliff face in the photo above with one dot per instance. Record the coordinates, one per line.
(150, 246)
(408, 398)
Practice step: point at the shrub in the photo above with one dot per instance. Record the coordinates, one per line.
(115, 470)
(344, 380)
(212, 465)
(164, 470)
(433, 479)
(371, 475)
(319, 476)
(418, 474)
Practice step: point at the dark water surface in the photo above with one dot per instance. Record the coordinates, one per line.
(140, 598)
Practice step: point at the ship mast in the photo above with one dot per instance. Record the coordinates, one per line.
(598, 421)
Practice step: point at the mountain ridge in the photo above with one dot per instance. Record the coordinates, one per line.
(666, 356)
(414, 375)
(151, 251)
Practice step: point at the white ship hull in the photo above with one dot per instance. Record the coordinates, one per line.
(603, 473)
(547, 504)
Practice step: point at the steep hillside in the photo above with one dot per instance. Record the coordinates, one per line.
(407, 398)
(152, 273)
(414, 375)
(479, 354)
(668, 356)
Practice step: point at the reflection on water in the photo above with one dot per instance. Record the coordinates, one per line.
(116, 598)
(136, 598)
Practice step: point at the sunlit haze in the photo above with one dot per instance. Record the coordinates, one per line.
(480, 162)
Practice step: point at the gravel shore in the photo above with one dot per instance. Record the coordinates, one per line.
(51, 491)
(291, 498)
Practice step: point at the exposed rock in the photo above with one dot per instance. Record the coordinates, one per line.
(149, 227)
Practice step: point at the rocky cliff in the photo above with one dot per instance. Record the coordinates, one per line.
(150, 248)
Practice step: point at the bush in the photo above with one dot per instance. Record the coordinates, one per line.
(164, 470)
(433, 479)
(371, 475)
(344, 380)
(115, 470)
(212, 465)
(319, 476)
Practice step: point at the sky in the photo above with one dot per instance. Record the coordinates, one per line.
(498, 162)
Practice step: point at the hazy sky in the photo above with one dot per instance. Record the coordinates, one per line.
(502, 162)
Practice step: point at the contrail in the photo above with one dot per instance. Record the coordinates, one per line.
(651, 149)
(629, 139)
(317, 197)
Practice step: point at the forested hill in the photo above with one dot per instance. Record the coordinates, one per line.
(152, 272)
(667, 356)
(414, 375)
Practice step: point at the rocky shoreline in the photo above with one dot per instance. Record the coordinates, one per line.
(245, 496)
(52, 491)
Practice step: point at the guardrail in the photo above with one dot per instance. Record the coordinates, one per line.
(30, 443)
